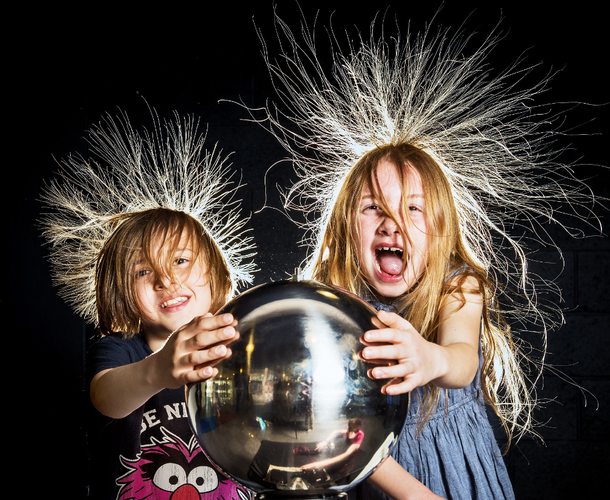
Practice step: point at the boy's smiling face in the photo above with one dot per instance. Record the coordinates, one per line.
(381, 245)
(168, 304)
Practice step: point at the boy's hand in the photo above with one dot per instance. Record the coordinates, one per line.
(190, 353)
(188, 356)
(415, 359)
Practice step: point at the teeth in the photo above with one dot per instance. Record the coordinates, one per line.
(389, 249)
(171, 302)
(392, 249)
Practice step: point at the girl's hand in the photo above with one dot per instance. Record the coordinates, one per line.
(417, 361)
(190, 353)
(451, 363)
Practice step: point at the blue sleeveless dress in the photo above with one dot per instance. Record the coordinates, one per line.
(456, 454)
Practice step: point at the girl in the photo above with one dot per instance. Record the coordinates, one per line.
(421, 174)
(401, 250)
(154, 275)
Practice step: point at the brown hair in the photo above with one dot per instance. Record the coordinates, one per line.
(138, 233)
(354, 424)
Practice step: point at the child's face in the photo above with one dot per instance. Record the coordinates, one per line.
(167, 306)
(381, 245)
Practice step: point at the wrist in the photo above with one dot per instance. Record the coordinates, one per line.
(456, 367)
(440, 364)
(152, 373)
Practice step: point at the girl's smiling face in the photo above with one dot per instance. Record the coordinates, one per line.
(166, 304)
(392, 264)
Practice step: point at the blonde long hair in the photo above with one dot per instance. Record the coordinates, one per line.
(495, 143)
(447, 269)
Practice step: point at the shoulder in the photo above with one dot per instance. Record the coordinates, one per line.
(111, 352)
(463, 279)
(464, 293)
(134, 344)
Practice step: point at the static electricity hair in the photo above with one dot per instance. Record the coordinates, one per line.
(492, 172)
(110, 204)
(155, 235)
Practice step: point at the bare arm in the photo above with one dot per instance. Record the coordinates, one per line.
(333, 460)
(185, 358)
(331, 436)
(458, 335)
(398, 484)
(451, 363)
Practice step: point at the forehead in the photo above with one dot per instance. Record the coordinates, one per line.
(387, 176)
(161, 246)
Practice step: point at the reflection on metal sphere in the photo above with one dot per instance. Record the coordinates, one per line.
(292, 412)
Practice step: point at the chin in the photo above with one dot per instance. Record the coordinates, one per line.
(390, 291)
(391, 294)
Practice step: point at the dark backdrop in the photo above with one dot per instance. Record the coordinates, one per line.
(70, 66)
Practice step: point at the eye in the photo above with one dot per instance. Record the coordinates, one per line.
(416, 208)
(371, 208)
(141, 273)
(204, 478)
(169, 477)
(183, 257)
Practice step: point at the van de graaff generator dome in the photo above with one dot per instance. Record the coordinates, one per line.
(292, 413)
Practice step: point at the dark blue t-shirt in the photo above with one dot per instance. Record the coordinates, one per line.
(152, 451)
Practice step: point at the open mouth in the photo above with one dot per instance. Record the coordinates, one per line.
(388, 261)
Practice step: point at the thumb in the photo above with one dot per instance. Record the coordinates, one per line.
(393, 320)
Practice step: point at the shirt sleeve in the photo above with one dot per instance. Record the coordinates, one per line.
(111, 352)
(358, 439)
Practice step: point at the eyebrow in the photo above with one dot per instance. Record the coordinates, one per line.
(372, 196)
(179, 250)
(140, 261)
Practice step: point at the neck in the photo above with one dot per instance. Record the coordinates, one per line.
(154, 341)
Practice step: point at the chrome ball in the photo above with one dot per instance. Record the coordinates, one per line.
(292, 412)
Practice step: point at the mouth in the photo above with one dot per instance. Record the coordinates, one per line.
(389, 261)
(173, 302)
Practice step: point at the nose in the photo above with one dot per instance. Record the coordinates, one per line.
(388, 226)
(162, 282)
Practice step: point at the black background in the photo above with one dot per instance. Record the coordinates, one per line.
(68, 66)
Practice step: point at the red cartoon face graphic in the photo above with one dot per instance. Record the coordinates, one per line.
(173, 470)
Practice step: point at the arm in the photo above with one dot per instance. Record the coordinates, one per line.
(397, 483)
(187, 357)
(331, 436)
(451, 363)
(333, 460)
(458, 335)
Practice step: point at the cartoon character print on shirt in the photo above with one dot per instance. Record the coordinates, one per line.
(171, 469)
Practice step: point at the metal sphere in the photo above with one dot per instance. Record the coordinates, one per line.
(275, 418)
